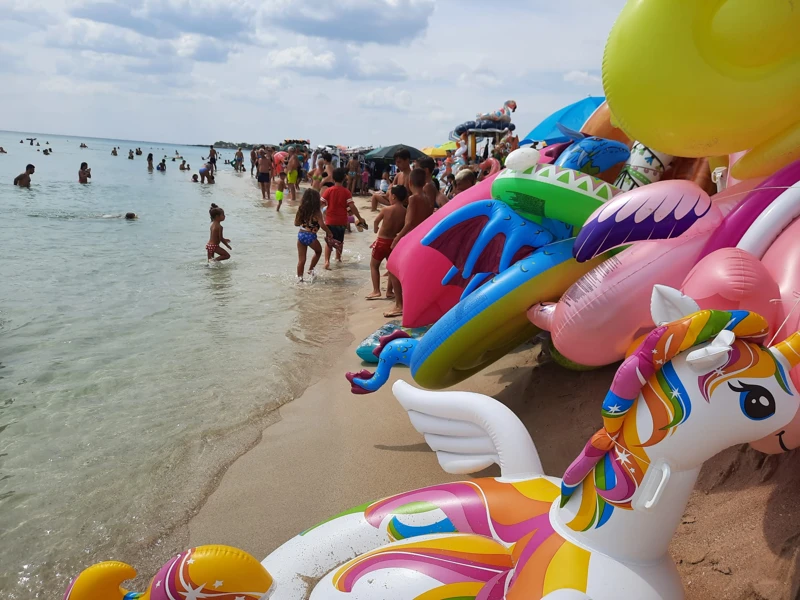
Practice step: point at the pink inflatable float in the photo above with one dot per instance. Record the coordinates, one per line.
(601, 315)
(425, 299)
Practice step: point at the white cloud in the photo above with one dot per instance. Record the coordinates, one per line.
(582, 78)
(301, 58)
(482, 78)
(388, 98)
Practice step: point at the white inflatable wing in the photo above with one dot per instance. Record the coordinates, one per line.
(470, 432)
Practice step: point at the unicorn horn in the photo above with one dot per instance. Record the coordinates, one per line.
(102, 581)
(789, 349)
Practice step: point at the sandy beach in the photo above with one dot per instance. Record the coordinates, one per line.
(332, 450)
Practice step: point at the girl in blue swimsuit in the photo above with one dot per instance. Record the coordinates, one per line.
(309, 219)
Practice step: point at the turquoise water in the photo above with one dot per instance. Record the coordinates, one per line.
(131, 373)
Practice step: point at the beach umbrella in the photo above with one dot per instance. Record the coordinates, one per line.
(434, 152)
(388, 152)
(449, 146)
(572, 116)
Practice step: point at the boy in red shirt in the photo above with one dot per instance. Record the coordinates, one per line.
(338, 199)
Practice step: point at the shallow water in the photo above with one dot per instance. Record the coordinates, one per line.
(130, 371)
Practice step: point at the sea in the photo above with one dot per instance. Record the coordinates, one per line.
(132, 373)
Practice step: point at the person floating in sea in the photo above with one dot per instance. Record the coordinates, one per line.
(84, 173)
(24, 179)
(292, 173)
(420, 208)
(264, 173)
(150, 162)
(391, 221)
(310, 220)
(338, 199)
(216, 238)
(130, 216)
(2, 151)
(195, 178)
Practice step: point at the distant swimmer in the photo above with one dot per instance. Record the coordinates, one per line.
(85, 173)
(182, 166)
(162, 166)
(217, 239)
(130, 154)
(195, 179)
(2, 151)
(130, 216)
(24, 179)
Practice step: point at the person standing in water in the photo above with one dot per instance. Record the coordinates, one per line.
(217, 238)
(293, 173)
(309, 219)
(212, 158)
(264, 174)
(84, 173)
(24, 179)
(150, 162)
(253, 161)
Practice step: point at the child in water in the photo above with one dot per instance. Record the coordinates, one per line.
(216, 238)
(309, 219)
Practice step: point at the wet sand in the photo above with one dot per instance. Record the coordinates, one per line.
(331, 450)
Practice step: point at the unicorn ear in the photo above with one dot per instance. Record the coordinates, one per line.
(668, 304)
(713, 356)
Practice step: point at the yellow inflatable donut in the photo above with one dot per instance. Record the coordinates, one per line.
(702, 78)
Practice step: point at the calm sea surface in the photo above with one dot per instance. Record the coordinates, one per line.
(131, 373)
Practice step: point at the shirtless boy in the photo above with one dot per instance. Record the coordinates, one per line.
(264, 173)
(419, 208)
(391, 220)
(430, 190)
(24, 179)
(293, 173)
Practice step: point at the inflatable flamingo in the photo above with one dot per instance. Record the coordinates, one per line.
(693, 387)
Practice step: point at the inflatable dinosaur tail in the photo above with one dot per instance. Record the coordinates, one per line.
(397, 348)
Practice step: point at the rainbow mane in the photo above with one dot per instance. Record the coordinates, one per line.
(618, 474)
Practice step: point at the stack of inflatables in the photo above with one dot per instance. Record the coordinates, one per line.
(594, 244)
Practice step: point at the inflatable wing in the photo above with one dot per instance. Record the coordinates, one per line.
(484, 238)
(470, 432)
(662, 210)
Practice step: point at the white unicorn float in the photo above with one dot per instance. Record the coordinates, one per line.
(694, 387)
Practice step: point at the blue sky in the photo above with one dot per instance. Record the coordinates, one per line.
(364, 72)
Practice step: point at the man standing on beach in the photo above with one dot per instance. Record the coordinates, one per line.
(264, 173)
(402, 158)
(212, 158)
(253, 161)
(293, 173)
(239, 160)
(24, 179)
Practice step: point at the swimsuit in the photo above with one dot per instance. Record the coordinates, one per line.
(291, 177)
(211, 249)
(306, 237)
(263, 178)
(336, 239)
(381, 248)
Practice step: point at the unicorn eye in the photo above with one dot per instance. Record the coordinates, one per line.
(756, 402)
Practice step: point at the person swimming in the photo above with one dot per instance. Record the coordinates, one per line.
(130, 216)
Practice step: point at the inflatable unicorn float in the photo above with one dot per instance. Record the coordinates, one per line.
(697, 384)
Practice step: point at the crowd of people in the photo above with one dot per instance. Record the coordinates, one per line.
(403, 201)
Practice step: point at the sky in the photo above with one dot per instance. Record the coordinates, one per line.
(352, 72)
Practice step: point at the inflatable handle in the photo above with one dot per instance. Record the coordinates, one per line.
(657, 477)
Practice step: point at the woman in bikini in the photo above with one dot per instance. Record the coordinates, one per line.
(216, 239)
(309, 219)
(316, 175)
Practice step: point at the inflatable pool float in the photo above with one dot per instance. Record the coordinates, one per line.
(645, 166)
(484, 326)
(722, 89)
(366, 349)
(591, 155)
(600, 533)
(220, 572)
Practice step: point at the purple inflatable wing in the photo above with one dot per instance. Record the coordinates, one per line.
(658, 211)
